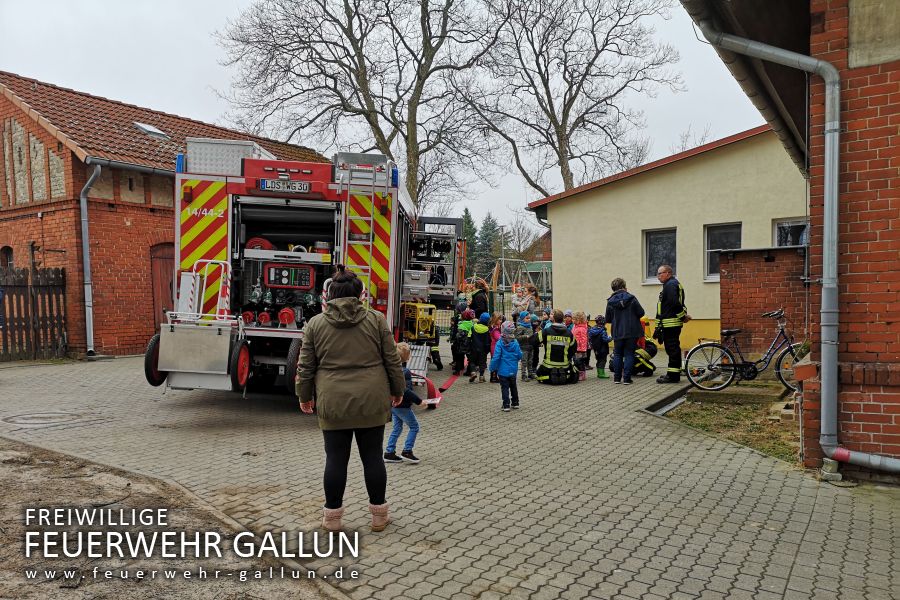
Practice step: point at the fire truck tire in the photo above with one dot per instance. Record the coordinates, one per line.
(154, 376)
(290, 372)
(239, 366)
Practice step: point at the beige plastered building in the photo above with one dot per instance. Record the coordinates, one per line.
(741, 191)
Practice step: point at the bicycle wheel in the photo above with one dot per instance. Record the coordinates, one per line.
(710, 366)
(784, 365)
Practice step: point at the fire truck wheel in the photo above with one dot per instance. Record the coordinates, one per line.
(293, 357)
(154, 376)
(239, 366)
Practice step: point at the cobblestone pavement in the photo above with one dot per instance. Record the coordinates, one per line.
(576, 495)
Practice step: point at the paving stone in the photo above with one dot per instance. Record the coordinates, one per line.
(668, 512)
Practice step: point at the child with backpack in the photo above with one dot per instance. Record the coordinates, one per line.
(580, 333)
(525, 335)
(481, 345)
(505, 362)
(599, 339)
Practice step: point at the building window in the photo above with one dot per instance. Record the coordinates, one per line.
(720, 237)
(6, 256)
(659, 249)
(791, 232)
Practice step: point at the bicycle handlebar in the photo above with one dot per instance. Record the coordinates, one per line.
(775, 314)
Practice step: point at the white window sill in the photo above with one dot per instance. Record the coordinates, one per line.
(650, 282)
(711, 279)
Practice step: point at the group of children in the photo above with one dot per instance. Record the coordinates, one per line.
(509, 345)
(473, 339)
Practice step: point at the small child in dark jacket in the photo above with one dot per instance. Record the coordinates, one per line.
(457, 350)
(404, 414)
(525, 336)
(505, 362)
(600, 340)
(481, 345)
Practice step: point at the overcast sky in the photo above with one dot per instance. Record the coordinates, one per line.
(161, 54)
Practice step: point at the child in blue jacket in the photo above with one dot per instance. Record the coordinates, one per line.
(600, 339)
(505, 362)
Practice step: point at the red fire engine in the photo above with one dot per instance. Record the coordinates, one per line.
(256, 241)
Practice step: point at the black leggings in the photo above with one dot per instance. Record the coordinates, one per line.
(337, 454)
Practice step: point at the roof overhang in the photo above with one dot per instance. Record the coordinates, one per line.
(539, 206)
(778, 92)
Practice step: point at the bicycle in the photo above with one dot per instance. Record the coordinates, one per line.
(713, 365)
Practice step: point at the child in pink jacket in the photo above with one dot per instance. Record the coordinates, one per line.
(494, 332)
(580, 333)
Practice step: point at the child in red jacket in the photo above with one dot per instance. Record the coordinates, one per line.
(580, 332)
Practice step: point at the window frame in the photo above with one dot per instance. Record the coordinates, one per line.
(789, 221)
(707, 276)
(652, 280)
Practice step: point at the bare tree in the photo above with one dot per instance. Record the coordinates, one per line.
(688, 139)
(521, 235)
(554, 87)
(369, 75)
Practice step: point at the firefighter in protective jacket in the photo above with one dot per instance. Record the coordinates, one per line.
(557, 368)
(671, 315)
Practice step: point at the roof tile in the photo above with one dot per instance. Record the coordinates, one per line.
(105, 128)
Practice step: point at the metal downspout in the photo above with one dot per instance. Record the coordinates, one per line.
(86, 258)
(829, 312)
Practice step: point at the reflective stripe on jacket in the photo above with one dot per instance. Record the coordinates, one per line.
(559, 346)
(670, 310)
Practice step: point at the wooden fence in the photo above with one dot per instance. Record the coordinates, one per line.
(32, 314)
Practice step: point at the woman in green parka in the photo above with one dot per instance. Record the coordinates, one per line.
(350, 371)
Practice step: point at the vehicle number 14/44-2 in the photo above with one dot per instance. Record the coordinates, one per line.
(216, 213)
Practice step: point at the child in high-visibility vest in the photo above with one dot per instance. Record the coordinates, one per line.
(481, 345)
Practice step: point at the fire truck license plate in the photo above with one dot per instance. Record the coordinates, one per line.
(284, 185)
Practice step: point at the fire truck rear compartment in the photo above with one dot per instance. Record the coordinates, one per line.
(284, 227)
(287, 225)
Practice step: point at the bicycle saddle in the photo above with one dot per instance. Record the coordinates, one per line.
(727, 332)
(775, 314)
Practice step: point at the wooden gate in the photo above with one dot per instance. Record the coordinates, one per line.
(162, 275)
(32, 313)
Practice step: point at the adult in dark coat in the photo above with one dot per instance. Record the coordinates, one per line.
(479, 302)
(624, 312)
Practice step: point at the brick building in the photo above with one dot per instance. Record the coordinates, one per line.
(845, 138)
(53, 139)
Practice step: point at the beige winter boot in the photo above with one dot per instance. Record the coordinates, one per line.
(380, 518)
(331, 521)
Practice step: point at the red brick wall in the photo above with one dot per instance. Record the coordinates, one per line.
(751, 285)
(121, 233)
(868, 237)
(53, 233)
(121, 237)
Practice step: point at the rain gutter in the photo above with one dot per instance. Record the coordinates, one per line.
(829, 312)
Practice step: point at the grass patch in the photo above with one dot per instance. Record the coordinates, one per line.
(742, 420)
